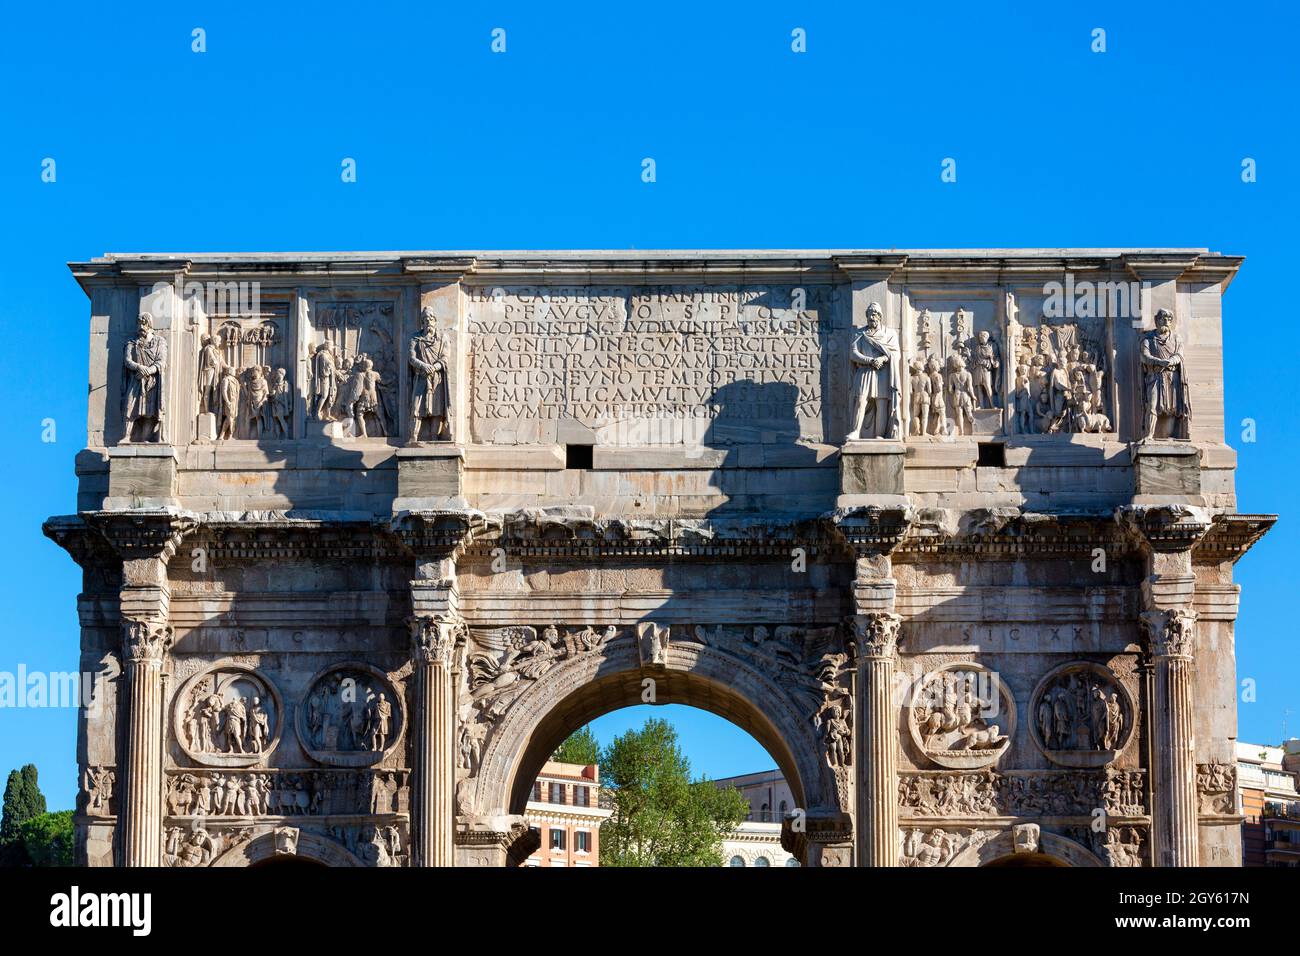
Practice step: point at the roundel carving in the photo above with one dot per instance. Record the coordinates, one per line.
(962, 716)
(351, 717)
(228, 716)
(1081, 715)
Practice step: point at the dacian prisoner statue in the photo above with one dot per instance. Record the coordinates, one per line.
(145, 395)
(429, 380)
(1168, 408)
(875, 359)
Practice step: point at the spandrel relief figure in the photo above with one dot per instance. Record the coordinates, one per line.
(428, 361)
(144, 396)
(1165, 392)
(875, 411)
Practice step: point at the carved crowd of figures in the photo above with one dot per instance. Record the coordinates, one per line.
(372, 844)
(259, 793)
(255, 401)
(97, 784)
(232, 724)
(945, 395)
(347, 712)
(1079, 711)
(990, 792)
(1059, 382)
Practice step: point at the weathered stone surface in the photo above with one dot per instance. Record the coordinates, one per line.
(950, 540)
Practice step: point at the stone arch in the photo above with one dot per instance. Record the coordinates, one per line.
(1053, 850)
(586, 686)
(310, 846)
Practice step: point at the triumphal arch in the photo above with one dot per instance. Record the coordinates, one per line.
(951, 533)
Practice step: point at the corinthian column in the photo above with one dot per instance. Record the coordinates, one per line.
(144, 645)
(876, 645)
(433, 776)
(1172, 635)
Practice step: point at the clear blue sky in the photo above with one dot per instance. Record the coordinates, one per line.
(239, 148)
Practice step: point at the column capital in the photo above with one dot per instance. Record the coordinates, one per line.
(146, 640)
(875, 635)
(434, 637)
(1171, 633)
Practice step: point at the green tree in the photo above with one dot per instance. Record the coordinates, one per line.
(48, 839)
(581, 746)
(23, 801)
(660, 816)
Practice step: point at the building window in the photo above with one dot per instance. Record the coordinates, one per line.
(557, 839)
(792, 862)
(784, 807)
(582, 796)
(762, 861)
(737, 861)
(537, 791)
(582, 841)
(557, 793)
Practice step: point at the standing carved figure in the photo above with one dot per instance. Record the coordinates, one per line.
(961, 392)
(1168, 406)
(938, 404)
(875, 358)
(920, 386)
(428, 359)
(257, 393)
(210, 365)
(144, 364)
(988, 364)
(228, 407)
(324, 383)
(281, 404)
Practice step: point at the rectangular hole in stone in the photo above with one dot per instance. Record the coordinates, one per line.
(577, 456)
(992, 454)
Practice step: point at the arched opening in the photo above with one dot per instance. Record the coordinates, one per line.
(573, 804)
(286, 862)
(1025, 859)
(625, 689)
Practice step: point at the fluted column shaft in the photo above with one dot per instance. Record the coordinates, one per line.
(1172, 635)
(876, 637)
(140, 817)
(433, 776)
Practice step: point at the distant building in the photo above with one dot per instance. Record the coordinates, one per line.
(757, 841)
(566, 813)
(1270, 803)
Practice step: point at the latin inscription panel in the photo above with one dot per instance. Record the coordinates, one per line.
(649, 365)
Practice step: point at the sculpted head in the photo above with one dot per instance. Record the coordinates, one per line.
(145, 324)
(428, 320)
(874, 316)
(1164, 321)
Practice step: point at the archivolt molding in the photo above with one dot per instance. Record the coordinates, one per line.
(511, 730)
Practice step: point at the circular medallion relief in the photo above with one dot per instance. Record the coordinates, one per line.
(352, 716)
(228, 716)
(1081, 715)
(962, 716)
